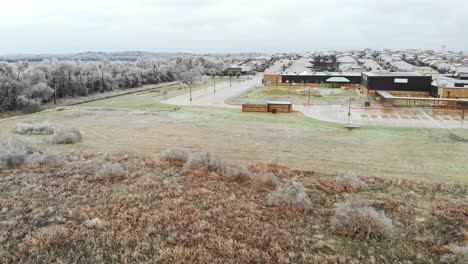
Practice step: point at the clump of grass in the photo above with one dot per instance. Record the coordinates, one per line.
(175, 154)
(462, 253)
(205, 160)
(66, 136)
(34, 129)
(13, 152)
(94, 223)
(238, 173)
(290, 194)
(351, 181)
(448, 259)
(357, 218)
(111, 171)
(44, 158)
(46, 237)
(268, 179)
(11, 157)
(18, 143)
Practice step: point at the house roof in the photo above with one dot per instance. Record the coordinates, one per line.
(338, 80)
(393, 74)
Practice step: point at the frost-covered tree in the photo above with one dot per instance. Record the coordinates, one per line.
(25, 85)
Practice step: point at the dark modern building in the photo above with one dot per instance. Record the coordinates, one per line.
(408, 83)
(321, 77)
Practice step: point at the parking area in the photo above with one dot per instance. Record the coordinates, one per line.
(393, 117)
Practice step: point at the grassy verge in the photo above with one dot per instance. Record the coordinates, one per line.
(297, 95)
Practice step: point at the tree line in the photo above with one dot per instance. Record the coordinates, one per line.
(25, 86)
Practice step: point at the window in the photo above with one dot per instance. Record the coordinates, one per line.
(399, 80)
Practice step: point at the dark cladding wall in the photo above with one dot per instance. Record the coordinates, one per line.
(387, 83)
(317, 78)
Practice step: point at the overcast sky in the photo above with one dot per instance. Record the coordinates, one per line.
(65, 26)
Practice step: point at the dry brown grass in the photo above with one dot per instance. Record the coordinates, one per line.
(160, 212)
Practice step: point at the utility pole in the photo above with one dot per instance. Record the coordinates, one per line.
(309, 96)
(214, 84)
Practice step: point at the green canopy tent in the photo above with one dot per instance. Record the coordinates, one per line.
(338, 80)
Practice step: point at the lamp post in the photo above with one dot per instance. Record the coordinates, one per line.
(349, 109)
(55, 91)
(214, 83)
(190, 88)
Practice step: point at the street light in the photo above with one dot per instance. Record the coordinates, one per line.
(190, 88)
(349, 109)
(214, 83)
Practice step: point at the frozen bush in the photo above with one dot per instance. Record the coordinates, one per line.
(238, 173)
(448, 259)
(352, 181)
(12, 157)
(175, 154)
(208, 161)
(46, 157)
(111, 170)
(290, 194)
(356, 217)
(462, 252)
(28, 105)
(13, 152)
(34, 129)
(66, 136)
(266, 178)
(19, 144)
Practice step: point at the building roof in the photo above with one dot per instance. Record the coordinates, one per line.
(387, 95)
(338, 80)
(394, 74)
(279, 102)
(344, 74)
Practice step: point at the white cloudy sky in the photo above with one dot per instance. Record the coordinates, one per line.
(60, 26)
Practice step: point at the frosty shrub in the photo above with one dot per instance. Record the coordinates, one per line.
(111, 170)
(290, 194)
(46, 157)
(266, 178)
(66, 135)
(238, 173)
(448, 259)
(350, 180)
(175, 154)
(13, 152)
(34, 129)
(356, 217)
(208, 161)
(12, 157)
(462, 252)
(28, 105)
(19, 144)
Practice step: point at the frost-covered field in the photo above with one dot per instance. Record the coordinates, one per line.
(197, 208)
(290, 139)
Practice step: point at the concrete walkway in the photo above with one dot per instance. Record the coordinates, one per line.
(207, 96)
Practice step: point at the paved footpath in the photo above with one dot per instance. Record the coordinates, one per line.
(207, 97)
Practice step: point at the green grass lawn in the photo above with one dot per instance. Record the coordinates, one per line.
(297, 95)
